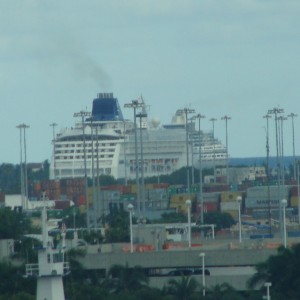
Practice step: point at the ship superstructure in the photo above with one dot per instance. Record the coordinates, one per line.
(51, 266)
(104, 143)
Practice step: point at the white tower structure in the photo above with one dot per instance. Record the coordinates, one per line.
(51, 266)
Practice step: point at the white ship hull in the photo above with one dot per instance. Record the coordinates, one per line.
(108, 147)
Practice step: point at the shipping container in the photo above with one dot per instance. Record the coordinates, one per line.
(160, 185)
(128, 197)
(261, 203)
(181, 199)
(229, 196)
(215, 188)
(82, 209)
(210, 207)
(294, 191)
(294, 201)
(263, 192)
(232, 205)
(221, 179)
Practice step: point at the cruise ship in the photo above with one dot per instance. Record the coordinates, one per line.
(103, 142)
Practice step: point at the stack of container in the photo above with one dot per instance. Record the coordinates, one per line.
(264, 197)
(73, 189)
(212, 188)
(51, 188)
(178, 201)
(294, 197)
(229, 203)
(156, 198)
(211, 202)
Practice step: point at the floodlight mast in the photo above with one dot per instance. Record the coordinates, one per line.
(292, 116)
(53, 125)
(84, 114)
(187, 111)
(226, 118)
(23, 165)
(267, 117)
(134, 105)
(199, 117)
(213, 120)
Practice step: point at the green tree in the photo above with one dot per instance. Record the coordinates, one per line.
(123, 278)
(13, 224)
(184, 288)
(42, 174)
(283, 271)
(220, 219)
(173, 217)
(223, 291)
(12, 281)
(10, 178)
(118, 226)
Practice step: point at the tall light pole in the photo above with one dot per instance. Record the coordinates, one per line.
(276, 112)
(93, 173)
(199, 117)
(268, 285)
(283, 205)
(239, 201)
(124, 153)
(281, 119)
(267, 117)
(187, 111)
(98, 206)
(188, 204)
(130, 209)
(214, 150)
(134, 105)
(298, 190)
(142, 186)
(84, 114)
(292, 116)
(226, 118)
(23, 165)
(202, 255)
(53, 125)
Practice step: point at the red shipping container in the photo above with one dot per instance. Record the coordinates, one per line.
(208, 207)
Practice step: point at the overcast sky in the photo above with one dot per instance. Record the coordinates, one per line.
(220, 57)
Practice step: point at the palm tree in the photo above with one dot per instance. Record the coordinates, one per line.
(122, 278)
(223, 291)
(184, 288)
(283, 271)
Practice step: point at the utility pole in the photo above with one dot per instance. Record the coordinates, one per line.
(187, 111)
(142, 186)
(53, 125)
(214, 150)
(82, 115)
(276, 111)
(267, 117)
(23, 165)
(226, 118)
(134, 105)
(199, 117)
(292, 116)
